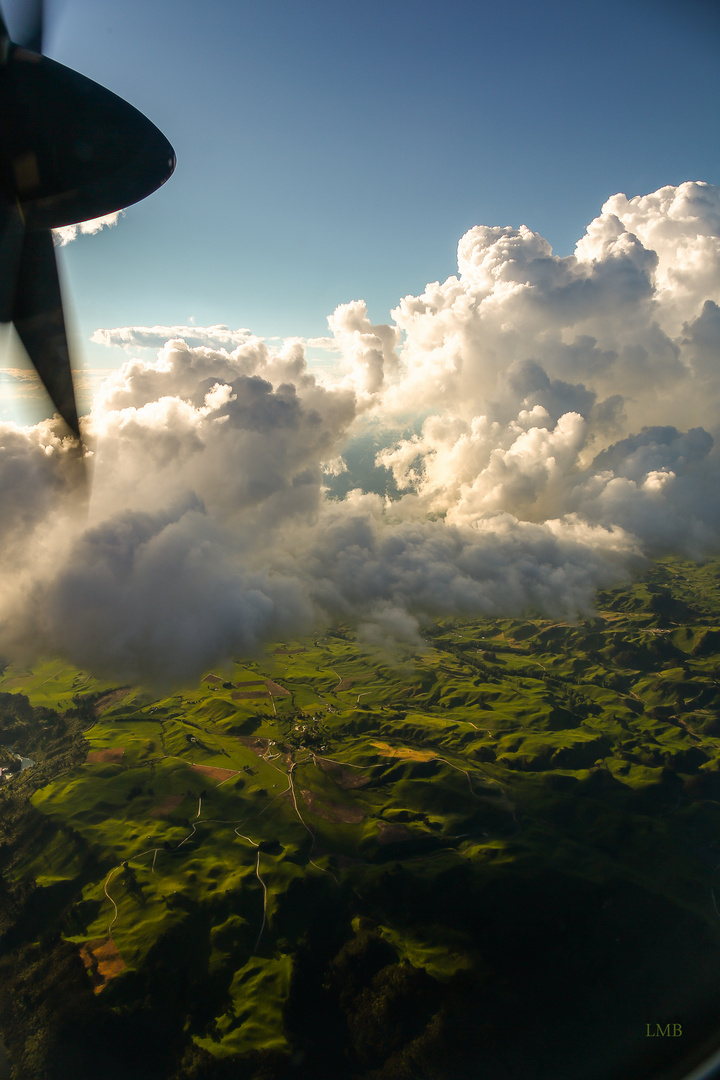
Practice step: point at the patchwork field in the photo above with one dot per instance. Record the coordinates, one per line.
(495, 855)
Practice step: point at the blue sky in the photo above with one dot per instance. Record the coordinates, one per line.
(333, 151)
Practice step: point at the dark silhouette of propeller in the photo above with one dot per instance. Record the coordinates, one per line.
(70, 150)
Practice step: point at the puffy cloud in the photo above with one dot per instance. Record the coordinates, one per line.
(682, 225)
(368, 350)
(157, 590)
(40, 473)
(67, 233)
(610, 316)
(520, 435)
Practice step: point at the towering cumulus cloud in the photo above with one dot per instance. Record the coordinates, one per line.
(541, 425)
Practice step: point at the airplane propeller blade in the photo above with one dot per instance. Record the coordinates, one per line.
(30, 21)
(12, 231)
(39, 320)
(70, 150)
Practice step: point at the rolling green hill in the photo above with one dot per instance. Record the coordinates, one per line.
(494, 857)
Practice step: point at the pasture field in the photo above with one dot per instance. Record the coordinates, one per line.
(328, 861)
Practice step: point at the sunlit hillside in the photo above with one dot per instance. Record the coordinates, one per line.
(331, 862)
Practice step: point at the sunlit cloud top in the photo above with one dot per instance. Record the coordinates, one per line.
(538, 426)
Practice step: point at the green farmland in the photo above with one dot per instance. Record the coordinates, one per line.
(494, 856)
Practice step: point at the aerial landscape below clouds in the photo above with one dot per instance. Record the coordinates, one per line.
(541, 425)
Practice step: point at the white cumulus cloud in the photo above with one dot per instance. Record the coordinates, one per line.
(516, 437)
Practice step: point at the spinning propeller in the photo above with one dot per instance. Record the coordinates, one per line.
(70, 150)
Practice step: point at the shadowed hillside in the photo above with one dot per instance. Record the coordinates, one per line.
(496, 856)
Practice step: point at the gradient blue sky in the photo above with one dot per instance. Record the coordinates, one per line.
(329, 151)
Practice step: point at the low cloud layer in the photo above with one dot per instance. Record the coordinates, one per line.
(540, 426)
(154, 337)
